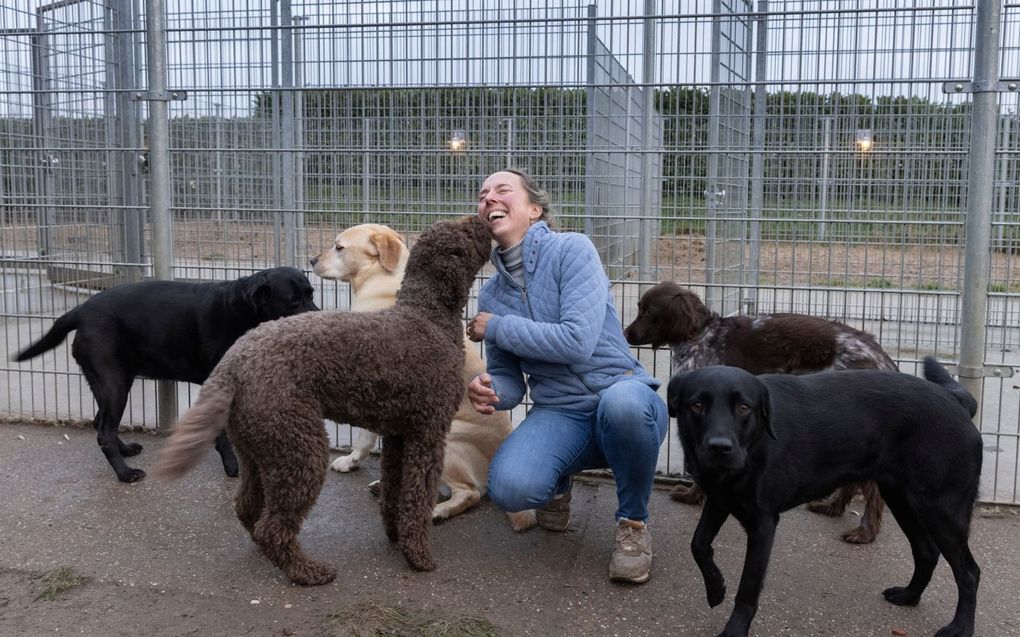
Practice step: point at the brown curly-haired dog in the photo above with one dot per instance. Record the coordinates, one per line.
(396, 372)
(373, 258)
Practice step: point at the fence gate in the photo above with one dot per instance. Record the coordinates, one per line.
(89, 182)
(729, 137)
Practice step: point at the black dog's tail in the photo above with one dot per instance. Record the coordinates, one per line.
(195, 431)
(61, 328)
(938, 375)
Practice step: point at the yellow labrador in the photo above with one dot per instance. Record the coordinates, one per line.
(372, 257)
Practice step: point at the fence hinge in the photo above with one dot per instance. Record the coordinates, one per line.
(987, 371)
(1000, 86)
(159, 96)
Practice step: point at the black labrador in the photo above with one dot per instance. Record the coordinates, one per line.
(760, 445)
(167, 330)
(669, 314)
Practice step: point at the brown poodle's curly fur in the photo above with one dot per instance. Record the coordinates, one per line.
(396, 372)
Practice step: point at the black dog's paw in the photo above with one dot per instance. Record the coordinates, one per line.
(392, 534)
(901, 596)
(716, 593)
(729, 633)
(952, 630)
(130, 475)
(130, 449)
(231, 469)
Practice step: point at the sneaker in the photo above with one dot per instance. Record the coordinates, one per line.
(632, 554)
(555, 515)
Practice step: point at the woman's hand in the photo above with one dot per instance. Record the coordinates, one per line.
(482, 395)
(476, 326)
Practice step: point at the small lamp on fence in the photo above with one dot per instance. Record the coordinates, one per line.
(863, 139)
(458, 141)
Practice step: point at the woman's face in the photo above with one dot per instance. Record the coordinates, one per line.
(505, 206)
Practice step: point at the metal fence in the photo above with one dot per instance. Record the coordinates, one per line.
(857, 160)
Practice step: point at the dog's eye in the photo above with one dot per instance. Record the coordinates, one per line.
(697, 407)
(743, 409)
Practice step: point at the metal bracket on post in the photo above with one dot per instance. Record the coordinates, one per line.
(987, 371)
(1002, 86)
(160, 96)
(714, 197)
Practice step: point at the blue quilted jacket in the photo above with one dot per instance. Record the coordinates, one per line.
(561, 329)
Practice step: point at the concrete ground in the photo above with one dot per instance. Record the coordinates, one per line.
(171, 559)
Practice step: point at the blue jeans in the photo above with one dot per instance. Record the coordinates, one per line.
(550, 445)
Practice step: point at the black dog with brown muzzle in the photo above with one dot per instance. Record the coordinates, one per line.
(760, 445)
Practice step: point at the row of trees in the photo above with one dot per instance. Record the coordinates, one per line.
(918, 151)
(918, 158)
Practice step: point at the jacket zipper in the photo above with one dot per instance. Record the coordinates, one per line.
(531, 315)
(524, 292)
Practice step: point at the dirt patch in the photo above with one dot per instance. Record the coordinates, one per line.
(62, 602)
(369, 619)
(937, 265)
(805, 263)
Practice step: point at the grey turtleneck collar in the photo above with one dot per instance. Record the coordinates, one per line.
(513, 261)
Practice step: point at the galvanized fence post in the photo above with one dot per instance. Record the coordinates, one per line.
(749, 296)
(129, 181)
(589, 93)
(288, 203)
(984, 120)
(649, 218)
(159, 178)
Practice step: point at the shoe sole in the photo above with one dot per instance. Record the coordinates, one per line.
(631, 580)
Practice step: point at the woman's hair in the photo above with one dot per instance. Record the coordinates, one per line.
(536, 194)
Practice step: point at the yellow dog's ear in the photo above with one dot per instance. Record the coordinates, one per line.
(390, 247)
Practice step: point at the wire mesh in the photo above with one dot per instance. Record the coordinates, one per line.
(801, 157)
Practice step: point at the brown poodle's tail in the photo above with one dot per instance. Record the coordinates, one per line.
(195, 431)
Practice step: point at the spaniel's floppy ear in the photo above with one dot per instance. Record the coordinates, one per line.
(687, 314)
(694, 311)
(390, 248)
